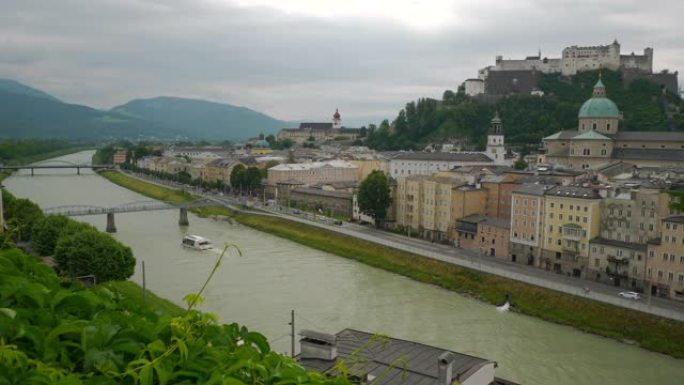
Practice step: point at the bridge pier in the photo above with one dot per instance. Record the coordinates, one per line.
(111, 226)
(31, 171)
(78, 171)
(183, 220)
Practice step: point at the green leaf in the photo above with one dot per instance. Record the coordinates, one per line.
(7, 312)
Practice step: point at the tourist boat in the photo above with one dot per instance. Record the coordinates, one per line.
(196, 242)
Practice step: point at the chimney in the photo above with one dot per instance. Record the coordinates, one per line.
(445, 362)
(317, 345)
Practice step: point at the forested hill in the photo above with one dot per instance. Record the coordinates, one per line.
(526, 118)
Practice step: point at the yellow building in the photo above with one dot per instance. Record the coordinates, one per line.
(573, 218)
(431, 205)
(665, 261)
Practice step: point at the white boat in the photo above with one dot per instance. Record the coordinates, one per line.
(196, 242)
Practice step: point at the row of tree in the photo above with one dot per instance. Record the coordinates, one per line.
(79, 249)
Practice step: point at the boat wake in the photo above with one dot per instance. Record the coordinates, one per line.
(506, 306)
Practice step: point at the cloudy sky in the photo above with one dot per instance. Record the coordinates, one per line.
(300, 59)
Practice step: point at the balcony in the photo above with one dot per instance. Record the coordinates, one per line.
(618, 260)
(572, 232)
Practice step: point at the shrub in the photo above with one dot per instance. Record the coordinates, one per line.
(46, 232)
(25, 214)
(92, 252)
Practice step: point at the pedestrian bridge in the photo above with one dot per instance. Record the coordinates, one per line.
(56, 164)
(81, 210)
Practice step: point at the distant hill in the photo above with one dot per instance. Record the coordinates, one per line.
(26, 112)
(24, 116)
(13, 86)
(202, 119)
(527, 119)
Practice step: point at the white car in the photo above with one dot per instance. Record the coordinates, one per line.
(630, 295)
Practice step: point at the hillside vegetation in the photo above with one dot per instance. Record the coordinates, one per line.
(527, 119)
(26, 112)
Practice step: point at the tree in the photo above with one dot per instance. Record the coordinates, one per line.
(237, 176)
(183, 177)
(252, 178)
(374, 196)
(46, 232)
(25, 214)
(92, 252)
(520, 164)
(269, 164)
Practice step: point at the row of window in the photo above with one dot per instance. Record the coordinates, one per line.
(577, 218)
(572, 207)
(670, 275)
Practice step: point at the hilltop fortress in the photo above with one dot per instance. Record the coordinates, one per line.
(519, 76)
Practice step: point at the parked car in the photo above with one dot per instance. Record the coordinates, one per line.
(630, 295)
(338, 222)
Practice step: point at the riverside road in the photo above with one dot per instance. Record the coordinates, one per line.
(465, 258)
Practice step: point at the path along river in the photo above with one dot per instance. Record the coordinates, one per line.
(330, 293)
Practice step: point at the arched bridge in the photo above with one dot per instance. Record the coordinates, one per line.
(80, 210)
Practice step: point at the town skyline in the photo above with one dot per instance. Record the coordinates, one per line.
(301, 60)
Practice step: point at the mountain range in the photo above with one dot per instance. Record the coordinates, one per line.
(26, 112)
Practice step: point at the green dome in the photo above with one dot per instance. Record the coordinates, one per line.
(599, 108)
(261, 144)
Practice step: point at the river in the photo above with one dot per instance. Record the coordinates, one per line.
(330, 293)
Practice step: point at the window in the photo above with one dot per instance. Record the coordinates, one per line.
(670, 276)
(597, 262)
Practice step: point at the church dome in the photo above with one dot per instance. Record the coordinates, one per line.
(599, 106)
(261, 144)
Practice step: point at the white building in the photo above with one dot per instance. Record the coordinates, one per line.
(428, 163)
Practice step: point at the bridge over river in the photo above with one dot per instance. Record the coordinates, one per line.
(148, 205)
(57, 164)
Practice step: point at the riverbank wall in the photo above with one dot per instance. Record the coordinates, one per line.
(650, 332)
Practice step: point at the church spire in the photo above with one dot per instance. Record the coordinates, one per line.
(599, 88)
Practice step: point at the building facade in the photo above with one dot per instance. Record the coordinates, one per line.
(598, 141)
(665, 262)
(527, 224)
(572, 219)
(313, 173)
(320, 131)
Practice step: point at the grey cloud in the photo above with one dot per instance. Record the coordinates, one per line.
(102, 53)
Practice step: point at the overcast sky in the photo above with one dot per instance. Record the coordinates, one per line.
(300, 59)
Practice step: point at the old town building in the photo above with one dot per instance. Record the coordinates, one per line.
(665, 261)
(320, 131)
(572, 219)
(598, 141)
(527, 223)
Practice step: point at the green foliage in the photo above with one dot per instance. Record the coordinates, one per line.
(520, 164)
(237, 176)
(374, 196)
(92, 252)
(24, 214)
(527, 119)
(31, 150)
(75, 336)
(46, 232)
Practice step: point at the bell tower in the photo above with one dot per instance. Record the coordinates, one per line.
(495, 140)
(337, 120)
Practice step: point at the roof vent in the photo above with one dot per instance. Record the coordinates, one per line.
(318, 345)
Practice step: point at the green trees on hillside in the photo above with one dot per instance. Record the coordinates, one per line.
(526, 118)
(46, 232)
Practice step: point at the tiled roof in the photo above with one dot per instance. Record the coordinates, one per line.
(675, 218)
(573, 192)
(445, 156)
(531, 189)
(316, 126)
(419, 362)
(664, 136)
(562, 135)
(648, 154)
(591, 135)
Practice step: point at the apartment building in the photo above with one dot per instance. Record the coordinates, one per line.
(572, 219)
(527, 223)
(630, 217)
(665, 261)
(431, 205)
(313, 173)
